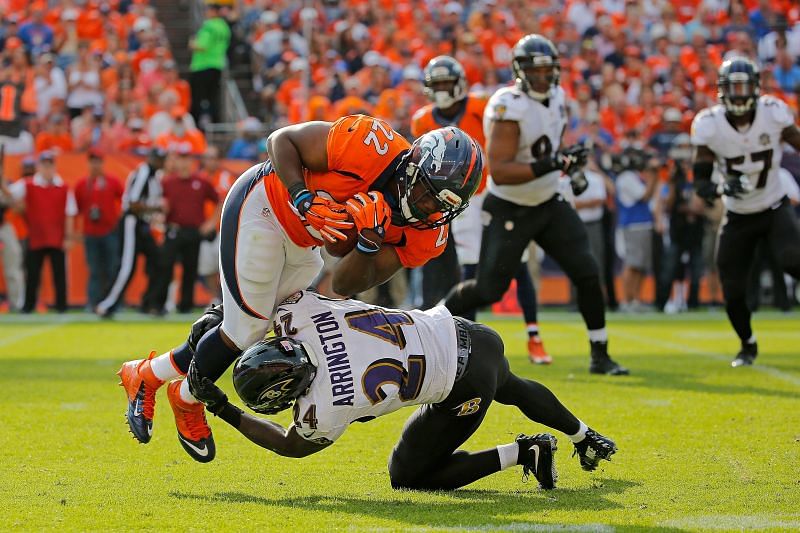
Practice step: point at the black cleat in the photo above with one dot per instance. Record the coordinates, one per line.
(746, 355)
(602, 362)
(593, 448)
(536, 455)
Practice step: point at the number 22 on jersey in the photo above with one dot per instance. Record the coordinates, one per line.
(379, 141)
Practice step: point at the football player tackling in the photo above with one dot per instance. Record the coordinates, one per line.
(344, 361)
(276, 216)
(743, 136)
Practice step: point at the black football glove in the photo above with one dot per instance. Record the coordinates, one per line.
(573, 158)
(205, 391)
(578, 182)
(706, 190)
(736, 186)
(211, 318)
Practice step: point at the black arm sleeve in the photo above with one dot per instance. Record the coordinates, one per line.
(702, 170)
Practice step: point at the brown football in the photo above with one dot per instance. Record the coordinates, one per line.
(342, 248)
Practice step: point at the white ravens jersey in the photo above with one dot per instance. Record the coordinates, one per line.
(540, 131)
(371, 361)
(754, 152)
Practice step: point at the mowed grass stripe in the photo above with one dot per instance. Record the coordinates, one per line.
(697, 439)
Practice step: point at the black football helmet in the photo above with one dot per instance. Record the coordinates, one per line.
(445, 69)
(448, 164)
(536, 66)
(271, 374)
(739, 85)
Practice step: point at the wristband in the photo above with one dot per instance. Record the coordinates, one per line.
(299, 193)
(367, 246)
(231, 414)
(541, 167)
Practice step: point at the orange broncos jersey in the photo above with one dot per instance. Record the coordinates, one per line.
(471, 121)
(361, 150)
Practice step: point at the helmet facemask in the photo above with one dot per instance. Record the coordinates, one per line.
(286, 380)
(537, 75)
(417, 190)
(739, 93)
(445, 92)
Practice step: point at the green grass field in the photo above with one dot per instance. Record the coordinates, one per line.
(702, 446)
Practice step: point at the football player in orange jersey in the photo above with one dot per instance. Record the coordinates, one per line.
(446, 87)
(400, 199)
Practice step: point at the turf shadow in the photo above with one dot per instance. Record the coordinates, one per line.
(671, 381)
(498, 508)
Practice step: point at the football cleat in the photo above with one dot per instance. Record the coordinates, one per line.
(746, 355)
(194, 432)
(593, 448)
(536, 456)
(536, 352)
(602, 362)
(140, 385)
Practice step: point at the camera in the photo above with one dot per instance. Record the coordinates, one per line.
(94, 213)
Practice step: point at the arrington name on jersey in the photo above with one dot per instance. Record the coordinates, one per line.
(754, 152)
(540, 131)
(370, 361)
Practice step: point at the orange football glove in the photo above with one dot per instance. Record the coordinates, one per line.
(371, 214)
(326, 216)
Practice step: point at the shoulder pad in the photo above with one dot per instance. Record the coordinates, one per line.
(777, 111)
(506, 105)
(703, 127)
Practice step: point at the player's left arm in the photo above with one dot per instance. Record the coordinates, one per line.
(791, 136)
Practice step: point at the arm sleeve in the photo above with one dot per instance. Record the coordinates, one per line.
(72, 206)
(17, 190)
(702, 129)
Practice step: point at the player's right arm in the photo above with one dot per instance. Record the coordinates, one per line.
(703, 161)
(265, 433)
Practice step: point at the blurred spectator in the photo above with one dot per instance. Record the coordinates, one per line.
(589, 206)
(661, 140)
(49, 211)
(35, 34)
(55, 136)
(13, 274)
(98, 197)
(90, 130)
(50, 84)
(209, 57)
(635, 187)
(163, 120)
(245, 146)
(83, 78)
(138, 142)
(221, 180)
(786, 72)
(185, 195)
(181, 136)
(13, 135)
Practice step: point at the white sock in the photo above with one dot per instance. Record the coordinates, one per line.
(164, 368)
(533, 329)
(581, 434)
(509, 453)
(752, 339)
(598, 335)
(186, 396)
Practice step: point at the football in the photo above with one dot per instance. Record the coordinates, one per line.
(342, 248)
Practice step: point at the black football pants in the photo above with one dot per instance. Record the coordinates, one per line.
(738, 238)
(556, 227)
(427, 455)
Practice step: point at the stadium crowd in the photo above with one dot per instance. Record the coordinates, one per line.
(99, 78)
